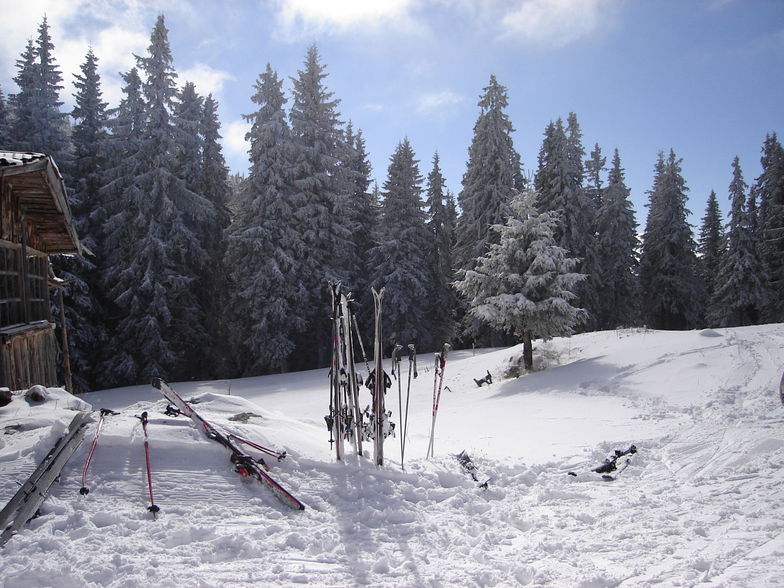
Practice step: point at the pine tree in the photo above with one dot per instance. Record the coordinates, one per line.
(188, 139)
(265, 248)
(39, 124)
(616, 250)
(671, 289)
(214, 186)
(490, 178)
(322, 218)
(740, 293)
(85, 315)
(161, 329)
(362, 214)
(559, 183)
(593, 171)
(769, 188)
(711, 247)
(124, 205)
(525, 282)
(440, 224)
(400, 260)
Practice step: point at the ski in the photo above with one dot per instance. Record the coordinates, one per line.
(243, 463)
(611, 464)
(84, 490)
(468, 467)
(379, 382)
(25, 503)
(354, 411)
(337, 376)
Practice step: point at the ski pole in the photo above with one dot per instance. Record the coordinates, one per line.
(279, 455)
(411, 361)
(396, 372)
(104, 412)
(152, 508)
(439, 376)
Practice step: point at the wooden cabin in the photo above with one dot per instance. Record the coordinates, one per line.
(35, 222)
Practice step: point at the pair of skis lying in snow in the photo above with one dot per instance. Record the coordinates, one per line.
(244, 464)
(610, 464)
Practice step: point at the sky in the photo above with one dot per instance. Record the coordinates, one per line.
(701, 77)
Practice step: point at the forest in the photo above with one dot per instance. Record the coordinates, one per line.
(195, 273)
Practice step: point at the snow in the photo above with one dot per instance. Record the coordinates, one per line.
(702, 502)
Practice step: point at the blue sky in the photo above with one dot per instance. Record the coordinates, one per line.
(703, 77)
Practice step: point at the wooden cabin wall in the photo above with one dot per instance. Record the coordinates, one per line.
(29, 358)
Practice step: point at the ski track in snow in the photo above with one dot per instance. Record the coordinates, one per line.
(701, 503)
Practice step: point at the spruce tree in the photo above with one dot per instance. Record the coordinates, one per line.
(671, 288)
(442, 301)
(769, 188)
(85, 314)
(616, 250)
(214, 186)
(161, 328)
(492, 174)
(125, 222)
(525, 283)
(39, 124)
(559, 183)
(740, 288)
(265, 253)
(711, 246)
(400, 260)
(322, 216)
(593, 172)
(362, 212)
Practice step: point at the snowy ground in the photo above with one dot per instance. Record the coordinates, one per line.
(702, 503)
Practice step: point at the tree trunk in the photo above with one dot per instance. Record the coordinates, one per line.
(528, 351)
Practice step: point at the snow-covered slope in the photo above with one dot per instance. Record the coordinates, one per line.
(702, 502)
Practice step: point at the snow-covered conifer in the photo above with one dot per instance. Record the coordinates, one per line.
(616, 250)
(265, 248)
(440, 224)
(525, 282)
(491, 176)
(711, 246)
(559, 183)
(740, 287)
(769, 188)
(85, 315)
(669, 278)
(401, 258)
(321, 217)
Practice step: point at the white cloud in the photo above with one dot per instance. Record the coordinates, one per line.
(437, 103)
(556, 23)
(234, 142)
(207, 79)
(305, 18)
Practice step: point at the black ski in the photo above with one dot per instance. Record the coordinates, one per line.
(244, 464)
(610, 464)
(468, 467)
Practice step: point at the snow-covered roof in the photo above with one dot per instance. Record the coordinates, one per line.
(38, 187)
(19, 158)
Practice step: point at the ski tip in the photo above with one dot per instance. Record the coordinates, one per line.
(157, 383)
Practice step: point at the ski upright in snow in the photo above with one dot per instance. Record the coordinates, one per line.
(244, 464)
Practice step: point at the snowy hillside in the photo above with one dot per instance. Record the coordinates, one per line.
(701, 503)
